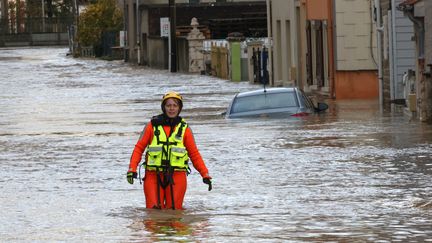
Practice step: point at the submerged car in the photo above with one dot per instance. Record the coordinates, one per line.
(273, 102)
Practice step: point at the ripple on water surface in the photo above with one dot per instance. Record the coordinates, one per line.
(68, 127)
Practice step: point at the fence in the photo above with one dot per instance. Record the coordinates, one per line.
(36, 25)
(248, 63)
(34, 31)
(219, 59)
(87, 51)
(259, 61)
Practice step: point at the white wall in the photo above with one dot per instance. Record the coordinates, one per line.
(354, 43)
(403, 53)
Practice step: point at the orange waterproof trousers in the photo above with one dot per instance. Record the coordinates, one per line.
(151, 191)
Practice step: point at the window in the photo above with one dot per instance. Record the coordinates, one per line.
(264, 101)
(304, 99)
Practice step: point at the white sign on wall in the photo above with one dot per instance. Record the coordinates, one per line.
(122, 38)
(164, 27)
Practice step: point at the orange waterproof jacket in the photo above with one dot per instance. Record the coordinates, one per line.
(188, 141)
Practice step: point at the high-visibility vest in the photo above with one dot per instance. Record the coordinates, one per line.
(164, 153)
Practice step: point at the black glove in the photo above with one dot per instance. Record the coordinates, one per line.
(208, 182)
(130, 176)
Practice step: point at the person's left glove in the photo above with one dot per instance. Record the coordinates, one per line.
(207, 180)
(130, 176)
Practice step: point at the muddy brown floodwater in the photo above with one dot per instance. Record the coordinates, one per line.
(68, 127)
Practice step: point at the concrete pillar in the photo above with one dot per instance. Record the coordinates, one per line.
(195, 40)
(131, 31)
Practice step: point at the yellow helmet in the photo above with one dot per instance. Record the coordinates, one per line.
(171, 94)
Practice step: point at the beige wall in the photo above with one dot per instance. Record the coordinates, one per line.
(285, 53)
(354, 41)
(302, 46)
(355, 75)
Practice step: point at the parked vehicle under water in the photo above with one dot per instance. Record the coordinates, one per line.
(273, 102)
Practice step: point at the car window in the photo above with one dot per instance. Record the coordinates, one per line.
(305, 100)
(264, 101)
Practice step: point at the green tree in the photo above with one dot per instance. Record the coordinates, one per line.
(99, 17)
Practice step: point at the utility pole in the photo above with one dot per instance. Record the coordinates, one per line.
(138, 41)
(379, 29)
(43, 16)
(173, 42)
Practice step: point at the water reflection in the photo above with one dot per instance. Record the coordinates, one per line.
(170, 226)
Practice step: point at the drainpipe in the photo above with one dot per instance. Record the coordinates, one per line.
(43, 16)
(172, 40)
(125, 19)
(270, 42)
(392, 48)
(331, 47)
(379, 29)
(138, 34)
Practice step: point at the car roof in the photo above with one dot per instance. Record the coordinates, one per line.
(267, 90)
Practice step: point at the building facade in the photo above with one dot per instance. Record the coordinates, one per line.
(146, 46)
(355, 49)
(324, 46)
(420, 14)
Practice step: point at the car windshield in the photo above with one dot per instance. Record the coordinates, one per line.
(264, 101)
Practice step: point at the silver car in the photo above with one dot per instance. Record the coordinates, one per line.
(273, 102)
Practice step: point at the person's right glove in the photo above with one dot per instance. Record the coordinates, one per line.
(207, 180)
(130, 176)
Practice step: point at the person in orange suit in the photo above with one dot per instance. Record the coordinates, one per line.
(169, 144)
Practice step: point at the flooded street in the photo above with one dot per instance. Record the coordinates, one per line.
(68, 127)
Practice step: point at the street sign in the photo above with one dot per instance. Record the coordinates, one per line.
(164, 27)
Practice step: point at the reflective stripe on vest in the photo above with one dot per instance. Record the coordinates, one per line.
(172, 153)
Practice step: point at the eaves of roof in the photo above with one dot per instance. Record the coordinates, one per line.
(407, 5)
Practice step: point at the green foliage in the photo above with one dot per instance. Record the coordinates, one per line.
(99, 17)
(63, 8)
